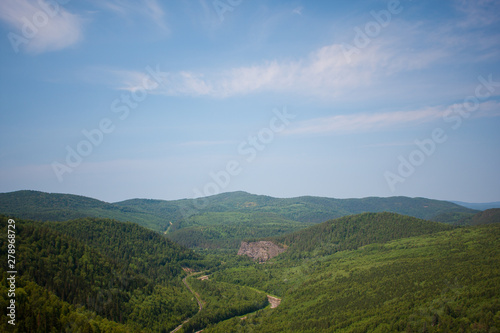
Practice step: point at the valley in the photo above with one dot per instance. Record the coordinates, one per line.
(247, 263)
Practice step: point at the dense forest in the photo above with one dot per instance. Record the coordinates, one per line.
(41, 206)
(302, 209)
(227, 230)
(370, 272)
(140, 249)
(221, 301)
(351, 232)
(443, 282)
(98, 269)
(159, 215)
(484, 217)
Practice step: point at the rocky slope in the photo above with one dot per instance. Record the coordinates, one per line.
(261, 251)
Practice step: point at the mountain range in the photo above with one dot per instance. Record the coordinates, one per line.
(223, 220)
(156, 214)
(478, 206)
(346, 265)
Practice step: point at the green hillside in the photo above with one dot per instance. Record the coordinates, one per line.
(484, 217)
(159, 214)
(222, 301)
(96, 272)
(302, 209)
(141, 249)
(227, 230)
(371, 272)
(447, 281)
(41, 206)
(354, 231)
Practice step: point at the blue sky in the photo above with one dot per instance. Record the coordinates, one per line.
(120, 99)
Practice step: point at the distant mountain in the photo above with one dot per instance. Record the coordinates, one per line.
(160, 215)
(41, 206)
(302, 209)
(224, 220)
(478, 206)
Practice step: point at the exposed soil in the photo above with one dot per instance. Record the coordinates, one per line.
(275, 301)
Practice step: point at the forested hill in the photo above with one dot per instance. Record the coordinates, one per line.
(96, 275)
(485, 217)
(443, 282)
(156, 214)
(141, 249)
(352, 232)
(302, 209)
(41, 206)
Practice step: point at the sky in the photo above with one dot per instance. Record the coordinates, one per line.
(121, 99)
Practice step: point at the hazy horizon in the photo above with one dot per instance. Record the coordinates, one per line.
(305, 195)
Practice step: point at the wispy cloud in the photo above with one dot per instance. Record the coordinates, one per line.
(362, 122)
(150, 10)
(324, 72)
(478, 13)
(298, 10)
(365, 122)
(487, 110)
(55, 27)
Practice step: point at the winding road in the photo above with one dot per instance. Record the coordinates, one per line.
(273, 301)
(198, 299)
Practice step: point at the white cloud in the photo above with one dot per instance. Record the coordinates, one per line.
(361, 122)
(40, 28)
(328, 74)
(364, 122)
(325, 72)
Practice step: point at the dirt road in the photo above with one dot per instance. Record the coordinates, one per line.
(274, 301)
(198, 299)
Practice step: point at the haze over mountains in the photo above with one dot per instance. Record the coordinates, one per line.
(478, 206)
